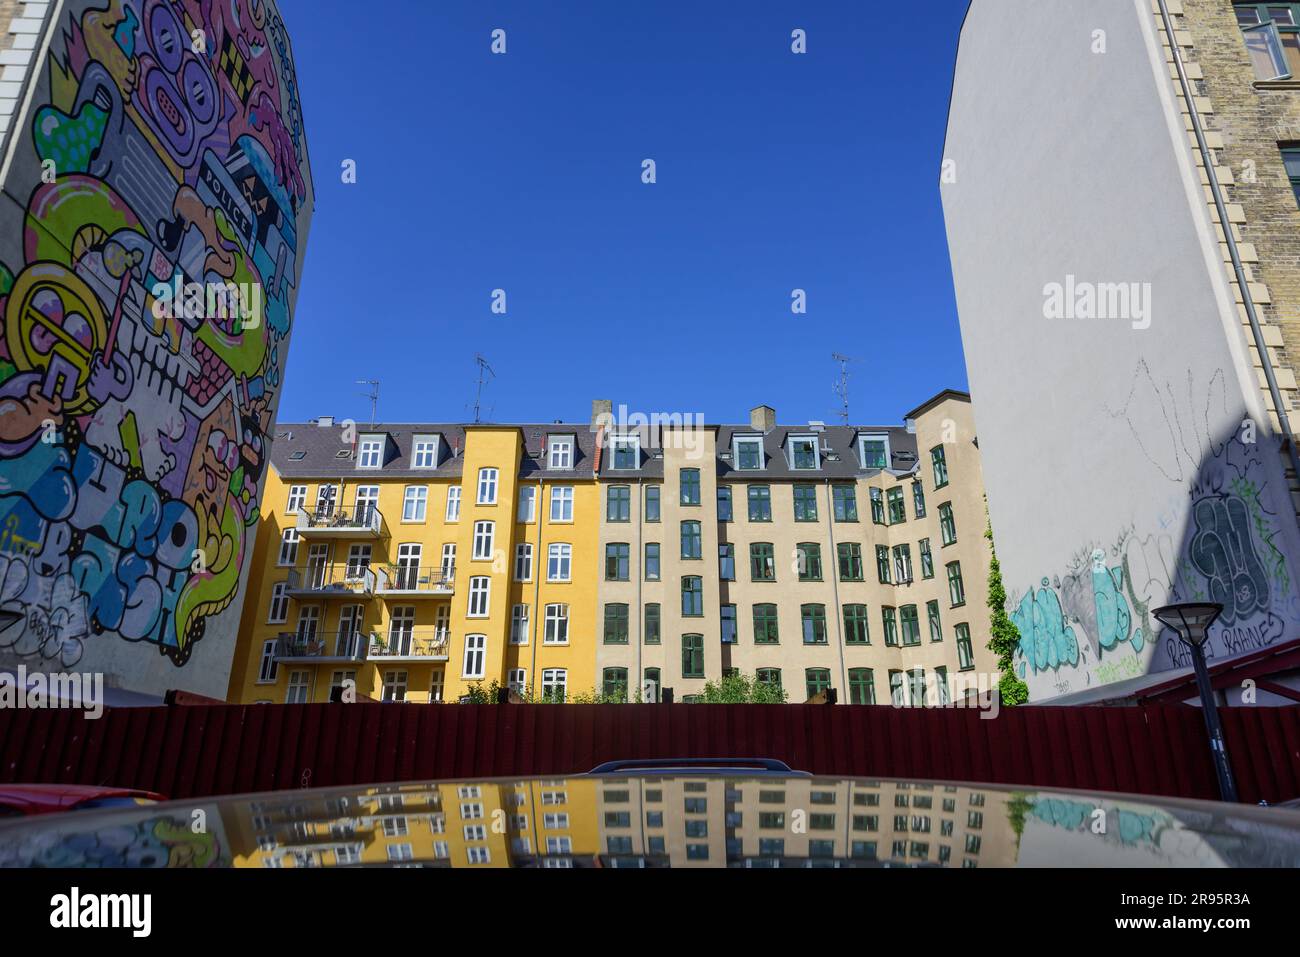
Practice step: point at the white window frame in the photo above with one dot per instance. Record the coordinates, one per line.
(485, 532)
(553, 678)
(453, 503)
(396, 682)
(817, 450)
(268, 670)
(560, 452)
(557, 633)
(864, 438)
(488, 479)
(437, 687)
(370, 451)
(527, 511)
(517, 681)
(424, 452)
(559, 562)
(288, 544)
(562, 502)
(280, 598)
(447, 567)
(299, 687)
(478, 855)
(524, 562)
(519, 624)
(739, 440)
(480, 597)
(415, 503)
(297, 499)
(474, 665)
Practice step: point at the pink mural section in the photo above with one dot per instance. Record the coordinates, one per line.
(151, 248)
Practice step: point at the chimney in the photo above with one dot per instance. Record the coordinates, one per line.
(762, 418)
(602, 413)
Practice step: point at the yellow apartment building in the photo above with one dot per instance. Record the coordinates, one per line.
(407, 562)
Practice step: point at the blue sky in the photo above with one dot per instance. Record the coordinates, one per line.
(522, 172)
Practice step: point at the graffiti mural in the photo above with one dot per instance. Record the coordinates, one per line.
(1217, 539)
(137, 841)
(162, 194)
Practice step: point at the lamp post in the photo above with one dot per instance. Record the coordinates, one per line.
(1192, 620)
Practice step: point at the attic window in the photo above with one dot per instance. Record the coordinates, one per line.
(297, 456)
(343, 454)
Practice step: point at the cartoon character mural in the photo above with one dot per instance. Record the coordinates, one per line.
(164, 151)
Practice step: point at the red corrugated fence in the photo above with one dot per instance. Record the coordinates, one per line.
(224, 749)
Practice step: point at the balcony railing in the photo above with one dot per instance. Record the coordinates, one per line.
(416, 580)
(332, 578)
(416, 643)
(364, 520)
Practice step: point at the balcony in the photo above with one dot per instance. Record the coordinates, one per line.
(326, 521)
(332, 580)
(410, 581)
(408, 645)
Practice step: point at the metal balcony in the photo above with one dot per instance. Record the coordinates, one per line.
(416, 644)
(407, 645)
(410, 581)
(332, 580)
(326, 521)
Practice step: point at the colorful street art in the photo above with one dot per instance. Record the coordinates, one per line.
(164, 153)
(1218, 539)
(137, 841)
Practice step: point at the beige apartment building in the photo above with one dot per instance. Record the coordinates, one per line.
(820, 558)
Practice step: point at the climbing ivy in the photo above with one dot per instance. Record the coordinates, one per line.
(1005, 636)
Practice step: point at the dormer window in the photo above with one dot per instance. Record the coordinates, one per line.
(424, 452)
(559, 452)
(873, 451)
(748, 453)
(804, 451)
(370, 452)
(626, 451)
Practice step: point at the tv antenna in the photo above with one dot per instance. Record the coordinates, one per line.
(483, 369)
(373, 396)
(841, 385)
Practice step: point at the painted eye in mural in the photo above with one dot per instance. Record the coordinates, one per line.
(200, 91)
(165, 34)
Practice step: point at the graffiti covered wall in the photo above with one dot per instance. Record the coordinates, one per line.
(152, 231)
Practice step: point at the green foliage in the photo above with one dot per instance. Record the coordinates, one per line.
(1005, 637)
(738, 688)
(478, 694)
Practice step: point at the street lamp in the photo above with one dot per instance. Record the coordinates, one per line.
(1192, 620)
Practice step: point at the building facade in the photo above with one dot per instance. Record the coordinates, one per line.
(157, 194)
(1119, 189)
(415, 563)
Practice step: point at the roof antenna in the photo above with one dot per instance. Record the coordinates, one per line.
(841, 385)
(483, 367)
(373, 396)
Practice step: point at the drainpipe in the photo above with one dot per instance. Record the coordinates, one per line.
(835, 585)
(640, 617)
(1219, 204)
(535, 637)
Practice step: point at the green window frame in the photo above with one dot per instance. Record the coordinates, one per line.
(652, 494)
(918, 499)
(849, 558)
(882, 564)
(956, 587)
(927, 558)
(862, 690)
(727, 617)
(614, 683)
(809, 557)
(873, 453)
(652, 619)
(617, 561)
(965, 653)
(618, 503)
(877, 506)
(766, 626)
(889, 620)
(897, 505)
(724, 503)
(947, 525)
(726, 561)
(692, 596)
(692, 656)
(845, 503)
(655, 675)
(1291, 161)
(691, 540)
(805, 503)
(902, 564)
(803, 453)
(898, 698)
(932, 613)
(857, 630)
(762, 562)
(813, 616)
(909, 626)
(760, 503)
(652, 561)
(1272, 38)
(939, 466)
(817, 680)
(689, 480)
(769, 676)
(941, 685)
(916, 680)
(616, 623)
